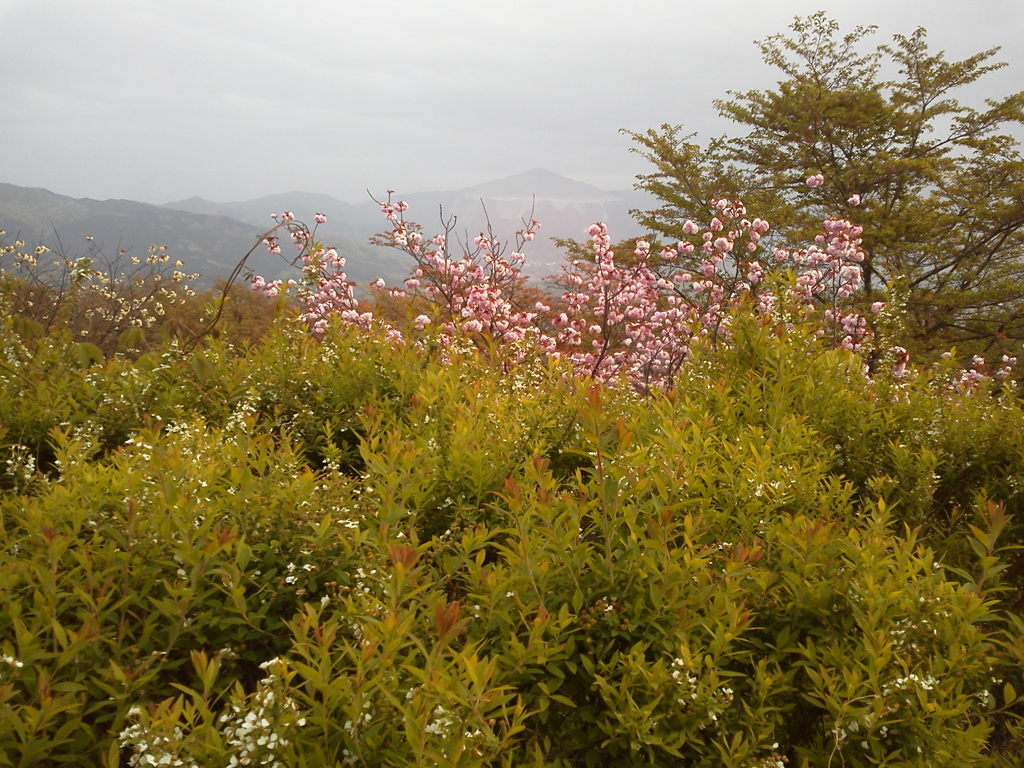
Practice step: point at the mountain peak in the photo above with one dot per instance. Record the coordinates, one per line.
(541, 184)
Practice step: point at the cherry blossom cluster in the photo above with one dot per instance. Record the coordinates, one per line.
(475, 293)
(828, 272)
(977, 373)
(621, 317)
(641, 315)
(636, 317)
(323, 291)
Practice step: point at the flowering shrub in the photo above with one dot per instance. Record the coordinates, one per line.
(103, 302)
(458, 541)
(479, 293)
(636, 318)
(459, 561)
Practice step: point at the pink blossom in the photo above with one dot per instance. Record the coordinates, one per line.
(320, 218)
(615, 318)
(854, 200)
(815, 181)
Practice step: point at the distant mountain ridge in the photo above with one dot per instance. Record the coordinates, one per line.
(564, 207)
(211, 237)
(544, 185)
(209, 242)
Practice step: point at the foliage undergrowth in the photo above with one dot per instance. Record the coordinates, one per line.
(350, 551)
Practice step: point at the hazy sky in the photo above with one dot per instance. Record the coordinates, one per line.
(158, 100)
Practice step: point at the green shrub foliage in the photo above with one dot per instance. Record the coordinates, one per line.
(348, 551)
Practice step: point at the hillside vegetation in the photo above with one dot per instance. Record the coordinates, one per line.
(348, 550)
(693, 504)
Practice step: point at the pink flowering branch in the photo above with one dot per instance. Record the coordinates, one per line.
(621, 318)
(476, 293)
(323, 290)
(636, 318)
(827, 274)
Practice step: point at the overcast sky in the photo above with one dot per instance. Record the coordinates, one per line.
(158, 100)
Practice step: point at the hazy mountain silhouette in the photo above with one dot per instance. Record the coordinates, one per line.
(564, 207)
(257, 212)
(209, 242)
(211, 237)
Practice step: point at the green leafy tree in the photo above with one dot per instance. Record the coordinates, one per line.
(941, 183)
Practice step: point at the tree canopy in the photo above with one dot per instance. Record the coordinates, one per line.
(941, 183)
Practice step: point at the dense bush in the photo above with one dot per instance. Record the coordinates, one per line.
(356, 551)
(676, 521)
